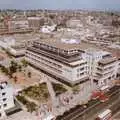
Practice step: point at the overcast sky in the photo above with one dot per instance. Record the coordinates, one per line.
(61, 4)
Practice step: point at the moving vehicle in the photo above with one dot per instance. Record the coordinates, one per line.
(106, 115)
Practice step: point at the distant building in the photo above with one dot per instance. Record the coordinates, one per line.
(74, 23)
(17, 44)
(48, 29)
(3, 28)
(35, 22)
(14, 25)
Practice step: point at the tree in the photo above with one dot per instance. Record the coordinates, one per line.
(24, 62)
(4, 70)
(52, 16)
(31, 106)
(19, 68)
(29, 74)
(15, 79)
(13, 67)
(75, 89)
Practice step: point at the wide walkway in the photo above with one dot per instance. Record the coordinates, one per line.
(23, 115)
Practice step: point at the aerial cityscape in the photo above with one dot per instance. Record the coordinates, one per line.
(60, 61)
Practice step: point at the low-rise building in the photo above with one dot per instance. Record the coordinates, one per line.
(35, 22)
(14, 25)
(17, 44)
(48, 29)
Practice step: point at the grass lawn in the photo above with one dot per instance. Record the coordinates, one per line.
(58, 88)
(29, 105)
(38, 92)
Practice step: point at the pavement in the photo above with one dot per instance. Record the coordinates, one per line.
(117, 116)
(23, 115)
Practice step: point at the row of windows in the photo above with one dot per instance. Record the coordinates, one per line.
(110, 77)
(81, 74)
(42, 63)
(105, 65)
(105, 80)
(82, 63)
(107, 68)
(82, 69)
(108, 73)
(41, 58)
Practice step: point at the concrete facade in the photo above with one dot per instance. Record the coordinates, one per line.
(70, 71)
(74, 65)
(6, 98)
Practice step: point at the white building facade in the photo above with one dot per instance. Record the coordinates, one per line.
(67, 65)
(106, 72)
(6, 98)
(103, 67)
(73, 65)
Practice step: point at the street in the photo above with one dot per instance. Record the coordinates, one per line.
(92, 111)
(117, 116)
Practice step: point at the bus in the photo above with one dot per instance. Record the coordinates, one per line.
(106, 115)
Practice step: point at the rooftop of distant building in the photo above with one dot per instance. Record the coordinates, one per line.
(66, 44)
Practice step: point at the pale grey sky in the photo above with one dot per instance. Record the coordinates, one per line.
(61, 4)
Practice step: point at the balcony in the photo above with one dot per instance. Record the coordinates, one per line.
(106, 62)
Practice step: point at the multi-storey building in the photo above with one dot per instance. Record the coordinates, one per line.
(103, 67)
(73, 61)
(93, 56)
(106, 72)
(6, 98)
(62, 60)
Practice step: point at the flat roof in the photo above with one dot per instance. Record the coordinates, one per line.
(34, 18)
(20, 37)
(77, 62)
(55, 42)
(108, 60)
